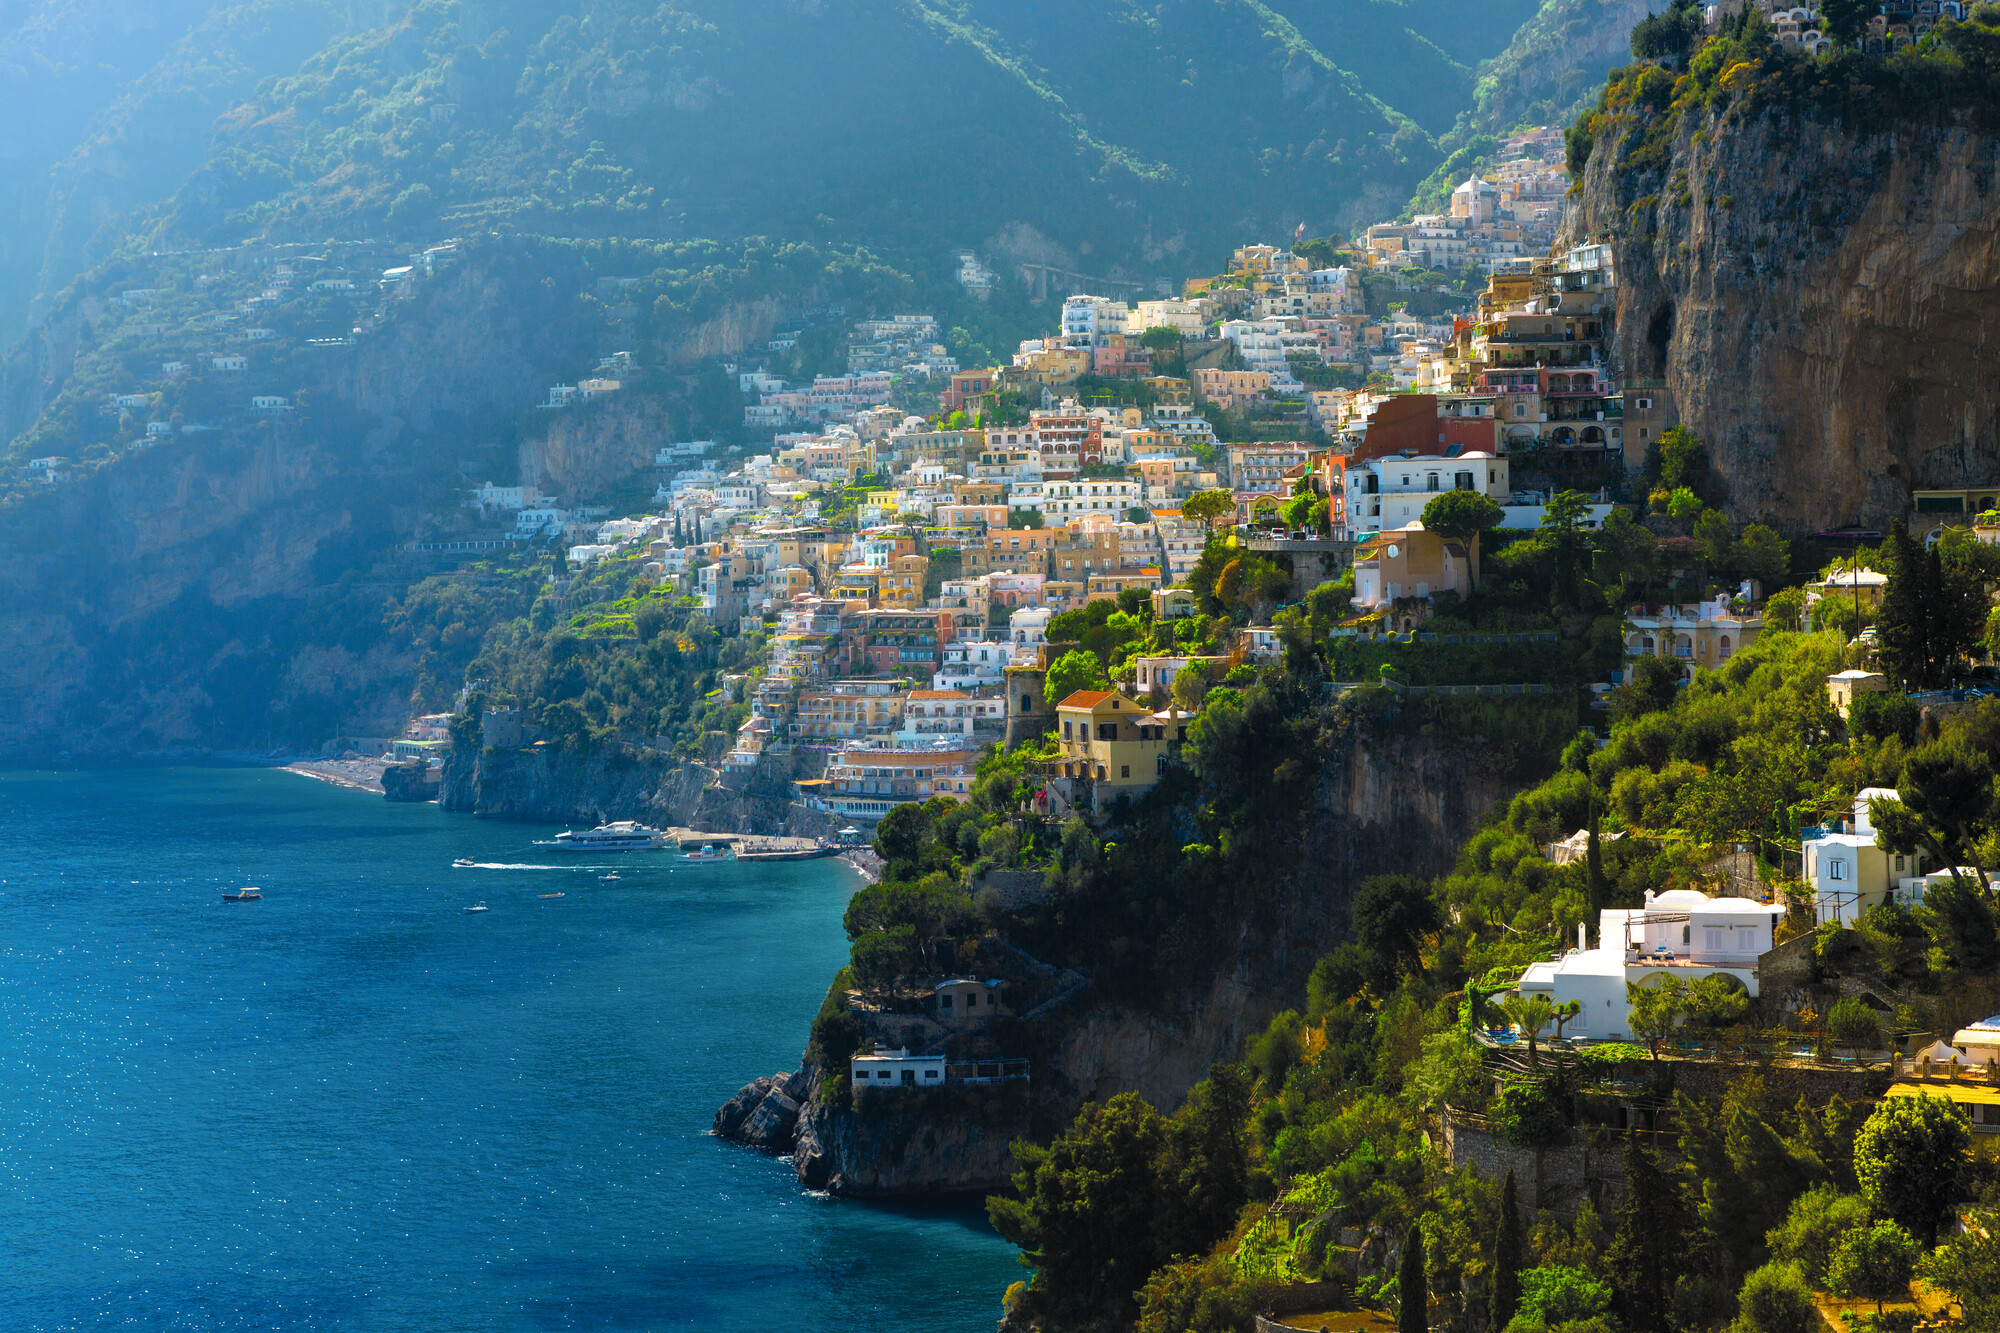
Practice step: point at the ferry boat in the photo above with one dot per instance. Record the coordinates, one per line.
(244, 896)
(624, 835)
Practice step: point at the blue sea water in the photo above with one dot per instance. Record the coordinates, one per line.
(354, 1106)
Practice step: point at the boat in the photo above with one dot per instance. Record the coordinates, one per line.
(464, 863)
(812, 853)
(704, 851)
(548, 895)
(622, 835)
(478, 907)
(613, 875)
(244, 896)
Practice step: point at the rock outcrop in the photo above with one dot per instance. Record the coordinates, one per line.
(1817, 299)
(1384, 803)
(620, 780)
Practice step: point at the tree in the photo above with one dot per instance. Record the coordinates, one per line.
(1391, 914)
(1945, 806)
(1555, 1295)
(1507, 1258)
(1907, 1158)
(1529, 1013)
(1412, 1309)
(1968, 1266)
(1874, 1263)
(1083, 1210)
(1464, 516)
(1907, 628)
(1206, 507)
(1074, 670)
(1654, 1011)
(1655, 1226)
(1716, 543)
(1846, 21)
(1761, 555)
(1562, 528)
(1814, 1225)
(1627, 553)
(1775, 1299)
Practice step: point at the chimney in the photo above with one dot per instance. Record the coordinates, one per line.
(1582, 940)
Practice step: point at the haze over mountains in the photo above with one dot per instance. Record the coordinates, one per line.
(1111, 138)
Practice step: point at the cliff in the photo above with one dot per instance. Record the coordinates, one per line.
(619, 780)
(1382, 803)
(1815, 297)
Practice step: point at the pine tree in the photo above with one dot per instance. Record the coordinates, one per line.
(1412, 1314)
(1655, 1231)
(1507, 1257)
(1903, 621)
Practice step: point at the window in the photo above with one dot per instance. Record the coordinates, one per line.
(909, 1076)
(1065, 726)
(930, 1074)
(1713, 939)
(972, 1000)
(944, 1000)
(1836, 868)
(1125, 770)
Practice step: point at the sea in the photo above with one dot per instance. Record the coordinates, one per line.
(354, 1105)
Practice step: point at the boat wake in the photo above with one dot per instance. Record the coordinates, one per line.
(510, 865)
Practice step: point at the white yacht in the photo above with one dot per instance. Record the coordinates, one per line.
(622, 836)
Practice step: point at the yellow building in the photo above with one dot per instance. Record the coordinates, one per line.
(1976, 1096)
(1112, 747)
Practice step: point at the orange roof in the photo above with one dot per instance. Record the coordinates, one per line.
(938, 694)
(1086, 699)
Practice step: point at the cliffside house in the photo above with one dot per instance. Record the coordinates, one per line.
(230, 363)
(1111, 747)
(1706, 634)
(1849, 874)
(964, 1000)
(1678, 933)
(1841, 687)
(1409, 562)
(897, 1069)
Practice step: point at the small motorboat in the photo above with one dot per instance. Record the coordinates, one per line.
(548, 895)
(463, 863)
(251, 895)
(613, 875)
(477, 907)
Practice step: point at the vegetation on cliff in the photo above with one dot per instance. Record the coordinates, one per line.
(1949, 76)
(1344, 1085)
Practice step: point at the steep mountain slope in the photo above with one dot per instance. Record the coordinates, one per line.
(107, 105)
(1117, 136)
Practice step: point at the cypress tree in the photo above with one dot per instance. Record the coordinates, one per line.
(1411, 1313)
(1506, 1259)
(1903, 621)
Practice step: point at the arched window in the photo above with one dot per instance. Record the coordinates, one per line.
(1722, 648)
(1684, 646)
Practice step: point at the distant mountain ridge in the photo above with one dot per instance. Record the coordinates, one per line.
(1125, 135)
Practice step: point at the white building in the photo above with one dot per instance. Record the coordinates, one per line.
(230, 363)
(1089, 321)
(1028, 630)
(972, 664)
(1679, 933)
(897, 1069)
(1389, 493)
(1850, 874)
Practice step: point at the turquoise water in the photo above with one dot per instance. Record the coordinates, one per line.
(355, 1106)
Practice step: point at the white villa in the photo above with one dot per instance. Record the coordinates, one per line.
(897, 1069)
(1850, 874)
(1679, 933)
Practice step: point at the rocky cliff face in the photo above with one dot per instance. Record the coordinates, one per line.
(1818, 300)
(621, 781)
(229, 587)
(1384, 803)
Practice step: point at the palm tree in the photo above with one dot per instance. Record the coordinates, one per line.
(1529, 1013)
